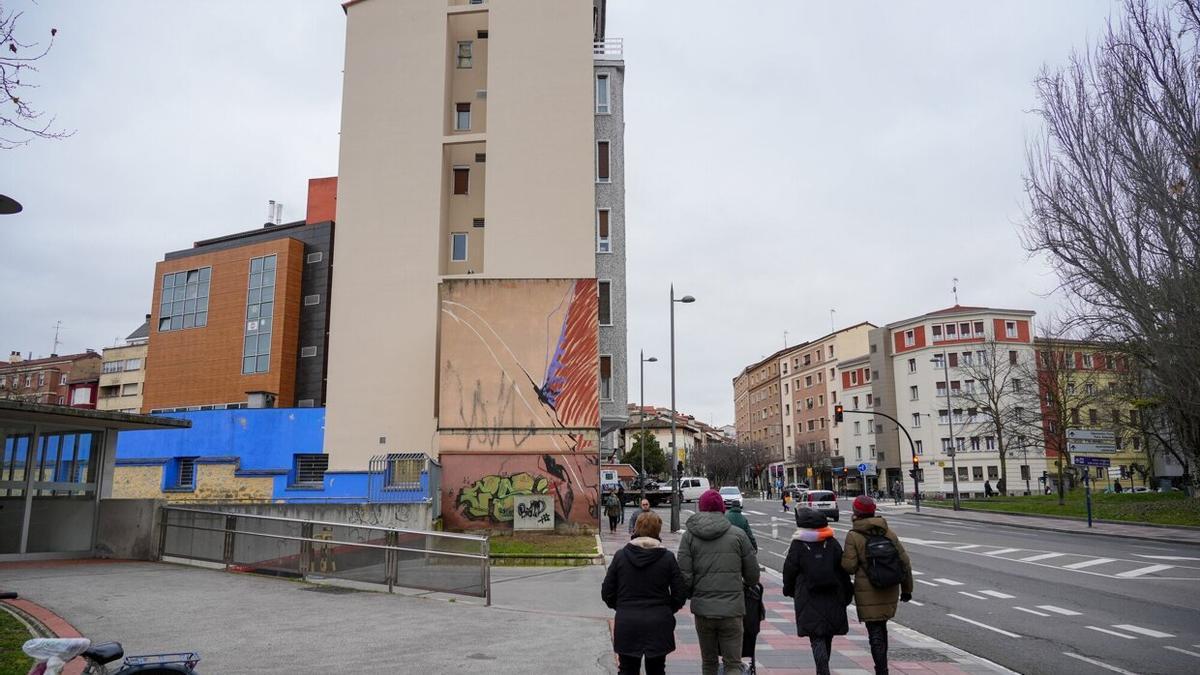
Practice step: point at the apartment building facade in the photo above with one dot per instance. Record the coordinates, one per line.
(760, 417)
(123, 372)
(68, 380)
(242, 319)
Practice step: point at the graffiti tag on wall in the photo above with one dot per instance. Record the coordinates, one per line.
(491, 497)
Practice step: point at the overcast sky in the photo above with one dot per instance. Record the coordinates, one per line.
(782, 159)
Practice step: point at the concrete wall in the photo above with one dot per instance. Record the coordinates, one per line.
(400, 516)
(127, 529)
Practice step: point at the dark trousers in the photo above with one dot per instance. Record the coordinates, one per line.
(822, 649)
(612, 523)
(877, 637)
(720, 637)
(630, 665)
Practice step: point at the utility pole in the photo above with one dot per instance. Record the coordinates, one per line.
(57, 327)
(950, 421)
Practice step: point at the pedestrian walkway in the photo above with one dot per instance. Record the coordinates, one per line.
(1169, 535)
(780, 651)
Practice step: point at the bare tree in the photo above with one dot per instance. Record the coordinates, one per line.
(20, 122)
(731, 463)
(1114, 197)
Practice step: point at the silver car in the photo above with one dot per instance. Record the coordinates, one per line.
(732, 496)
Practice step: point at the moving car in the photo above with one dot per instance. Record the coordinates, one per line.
(692, 487)
(732, 496)
(824, 501)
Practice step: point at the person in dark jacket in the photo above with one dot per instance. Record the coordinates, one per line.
(612, 509)
(645, 586)
(621, 498)
(718, 563)
(633, 520)
(875, 605)
(735, 517)
(813, 577)
(987, 489)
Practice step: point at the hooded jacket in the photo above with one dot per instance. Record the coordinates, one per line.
(717, 562)
(874, 604)
(645, 586)
(735, 517)
(819, 612)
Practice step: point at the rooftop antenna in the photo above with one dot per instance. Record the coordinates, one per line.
(955, 289)
(57, 342)
(832, 323)
(785, 338)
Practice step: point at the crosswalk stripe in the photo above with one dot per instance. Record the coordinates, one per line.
(1059, 610)
(927, 583)
(1043, 556)
(1101, 664)
(998, 594)
(1142, 571)
(1144, 631)
(1182, 651)
(949, 582)
(1088, 563)
(967, 547)
(917, 574)
(972, 595)
(1002, 551)
(1031, 611)
(756, 513)
(983, 625)
(1110, 632)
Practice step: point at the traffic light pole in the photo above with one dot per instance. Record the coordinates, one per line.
(916, 470)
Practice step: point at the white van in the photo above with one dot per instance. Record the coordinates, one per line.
(692, 488)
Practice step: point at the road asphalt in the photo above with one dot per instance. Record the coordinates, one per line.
(1034, 601)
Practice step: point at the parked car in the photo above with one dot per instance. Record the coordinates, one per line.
(824, 501)
(732, 496)
(692, 487)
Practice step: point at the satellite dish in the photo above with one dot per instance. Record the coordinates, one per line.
(8, 205)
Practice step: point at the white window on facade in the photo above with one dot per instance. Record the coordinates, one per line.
(602, 94)
(914, 393)
(462, 116)
(81, 396)
(910, 338)
(919, 447)
(916, 420)
(464, 54)
(1010, 329)
(458, 247)
(912, 365)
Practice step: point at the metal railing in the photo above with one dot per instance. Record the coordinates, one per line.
(608, 49)
(313, 549)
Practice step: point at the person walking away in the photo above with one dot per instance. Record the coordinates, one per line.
(898, 492)
(882, 575)
(735, 518)
(646, 588)
(987, 488)
(1117, 486)
(645, 504)
(621, 498)
(718, 563)
(787, 500)
(813, 577)
(612, 509)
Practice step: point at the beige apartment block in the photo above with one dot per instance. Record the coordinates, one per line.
(467, 151)
(123, 373)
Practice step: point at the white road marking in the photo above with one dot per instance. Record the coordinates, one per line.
(1183, 651)
(1059, 610)
(1144, 570)
(967, 547)
(1088, 563)
(1101, 664)
(1110, 632)
(914, 602)
(1144, 631)
(1002, 551)
(940, 532)
(972, 595)
(1031, 611)
(983, 625)
(998, 594)
(756, 513)
(1165, 557)
(927, 583)
(1043, 556)
(949, 582)
(917, 574)
(779, 555)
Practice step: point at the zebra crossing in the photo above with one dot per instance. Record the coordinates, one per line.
(1115, 568)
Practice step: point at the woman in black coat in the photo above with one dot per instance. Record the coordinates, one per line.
(646, 588)
(813, 577)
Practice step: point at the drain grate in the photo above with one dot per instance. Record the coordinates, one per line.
(332, 590)
(918, 655)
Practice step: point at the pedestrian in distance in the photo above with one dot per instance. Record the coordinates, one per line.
(813, 577)
(645, 505)
(987, 489)
(882, 575)
(612, 509)
(718, 563)
(645, 586)
(735, 517)
(621, 498)
(898, 492)
(787, 500)
(1117, 486)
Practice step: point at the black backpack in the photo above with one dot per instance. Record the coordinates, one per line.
(822, 568)
(884, 569)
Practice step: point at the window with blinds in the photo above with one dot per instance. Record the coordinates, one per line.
(311, 468)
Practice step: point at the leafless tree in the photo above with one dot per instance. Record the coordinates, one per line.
(1114, 197)
(731, 463)
(20, 122)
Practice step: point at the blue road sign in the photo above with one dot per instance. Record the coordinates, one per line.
(862, 468)
(1090, 461)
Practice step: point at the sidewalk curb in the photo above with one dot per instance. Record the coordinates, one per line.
(1081, 519)
(47, 622)
(1046, 528)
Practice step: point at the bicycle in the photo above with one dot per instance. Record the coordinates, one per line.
(54, 653)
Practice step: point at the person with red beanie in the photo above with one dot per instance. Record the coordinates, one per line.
(718, 563)
(882, 575)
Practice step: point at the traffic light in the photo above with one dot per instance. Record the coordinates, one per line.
(837, 413)
(912, 473)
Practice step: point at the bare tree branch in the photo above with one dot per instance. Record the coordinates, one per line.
(20, 122)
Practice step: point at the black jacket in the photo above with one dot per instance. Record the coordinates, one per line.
(821, 612)
(646, 588)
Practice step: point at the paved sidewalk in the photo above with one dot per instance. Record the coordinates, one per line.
(780, 651)
(1169, 535)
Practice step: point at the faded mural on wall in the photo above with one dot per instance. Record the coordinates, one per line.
(518, 382)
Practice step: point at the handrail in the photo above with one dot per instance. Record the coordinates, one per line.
(448, 535)
(358, 544)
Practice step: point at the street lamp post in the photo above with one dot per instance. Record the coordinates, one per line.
(642, 414)
(674, 452)
(950, 422)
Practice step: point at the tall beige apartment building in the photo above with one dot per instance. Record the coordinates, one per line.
(479, 176)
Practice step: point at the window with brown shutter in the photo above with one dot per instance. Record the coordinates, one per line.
(461, 180)
(602, 161)
(953, 360)
(605, 378)
(605, 288)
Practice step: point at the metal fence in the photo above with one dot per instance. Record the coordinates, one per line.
(311, 549)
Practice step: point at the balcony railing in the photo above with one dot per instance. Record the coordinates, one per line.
(608, 49)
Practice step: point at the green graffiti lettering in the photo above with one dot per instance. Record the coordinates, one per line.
(490, 497)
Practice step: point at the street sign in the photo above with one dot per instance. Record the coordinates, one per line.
(1090, 461)
(1114, 472)
(1098, 436)
(1074, 447)
(862, 468)
(866, 469)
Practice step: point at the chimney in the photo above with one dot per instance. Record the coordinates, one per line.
(14, 357)
(322, 199)
(270, 213)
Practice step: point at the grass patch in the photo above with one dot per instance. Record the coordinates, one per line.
(1170, 508)
(529, 543)
(13, 634)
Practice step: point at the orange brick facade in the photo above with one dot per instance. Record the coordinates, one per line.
(203, 366)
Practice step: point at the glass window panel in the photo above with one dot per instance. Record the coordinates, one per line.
(205, 274)
(249, 346)
(202, 304)
(179, 293)
(264, 343)
(267, 308)
(268, 293)
(180, 278)
(192, 291)
(168, 280)
(264, 363)
(177, 307)
(164, 310)
(203, 292)
(256, 265)
(193, 276)
(189, 320)
(269, 263)
(268, 278)
(256, 280)
(201, 319)
(164, 323)
(248, 365)
(189, 306)
(253, 296)
(264, 325)
(176, 322)
(252, 311)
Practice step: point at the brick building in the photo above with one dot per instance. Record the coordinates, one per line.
(54, 380)
(244, 314)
